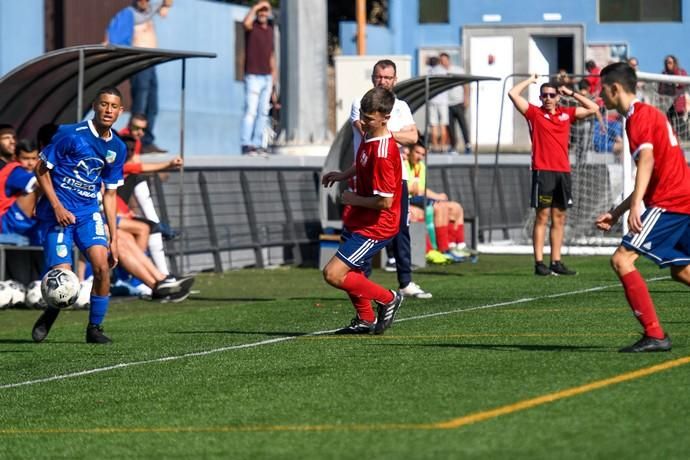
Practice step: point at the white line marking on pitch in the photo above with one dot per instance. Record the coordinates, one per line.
(293, 337)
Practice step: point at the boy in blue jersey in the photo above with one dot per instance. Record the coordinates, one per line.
(71, 170)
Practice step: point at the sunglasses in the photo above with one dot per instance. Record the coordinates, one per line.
(548, 95)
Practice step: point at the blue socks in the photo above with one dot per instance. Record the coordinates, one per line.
(99, 307)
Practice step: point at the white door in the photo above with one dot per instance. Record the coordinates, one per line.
(543, 54)
(491, 57)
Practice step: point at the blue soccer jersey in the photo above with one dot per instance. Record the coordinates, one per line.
(79, 162)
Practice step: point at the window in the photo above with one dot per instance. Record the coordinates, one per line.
(640, 11)
(433, 11)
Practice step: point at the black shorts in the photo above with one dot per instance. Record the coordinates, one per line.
(551, 189)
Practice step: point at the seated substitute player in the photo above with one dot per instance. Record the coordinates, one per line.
(19, 192)
(71, 170)
(371, 218)
(661, 232)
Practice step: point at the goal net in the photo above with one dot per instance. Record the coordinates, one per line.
(602, 170)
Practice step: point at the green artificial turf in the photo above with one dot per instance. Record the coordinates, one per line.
(247, 377)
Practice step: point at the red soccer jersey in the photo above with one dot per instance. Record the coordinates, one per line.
(669, 186)
(550, 135)
(379, 173)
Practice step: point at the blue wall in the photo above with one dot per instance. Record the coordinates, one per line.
(649, 42)
(21, 33)
(214, 100)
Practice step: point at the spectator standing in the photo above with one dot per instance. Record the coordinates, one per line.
(551, 194)
(133, 26)
(640, 88)
(404, 131)
(8, 143)
(659, 205)
(458, 101)
(593, 77)
(438, 111)
(676, 112)
(259, 76)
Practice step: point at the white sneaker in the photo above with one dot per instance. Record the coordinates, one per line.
(413, 290)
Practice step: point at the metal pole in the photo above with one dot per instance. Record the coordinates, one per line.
(475, 230)
(80, 87)
(361, 15)
(182, 121)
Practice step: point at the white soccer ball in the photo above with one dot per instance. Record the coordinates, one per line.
(34, 297)
(60, 288)
(5, 295)
(18, 292)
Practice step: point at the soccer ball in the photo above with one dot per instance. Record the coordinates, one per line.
(5, 295)
(34, 297)
(18, 293)
(60, 288)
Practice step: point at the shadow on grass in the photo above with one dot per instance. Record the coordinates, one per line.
(232, 299)
(515, 347)
(227, 331)
(262, 299)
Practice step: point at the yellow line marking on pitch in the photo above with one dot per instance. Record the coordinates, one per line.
(444, 425)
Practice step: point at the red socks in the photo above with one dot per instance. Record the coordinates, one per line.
(442, 238)
(361, 291)
(363, 307)
(641, 304)
(459, 233)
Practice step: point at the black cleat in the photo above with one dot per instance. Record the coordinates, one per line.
(559, 269)
(175, 298)
(171, 285)
(542, 270)
(94, 334)
(386, 312)
(44, 323)
(357, 326)
(648, 344)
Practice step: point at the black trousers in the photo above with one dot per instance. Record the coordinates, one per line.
(457, 113)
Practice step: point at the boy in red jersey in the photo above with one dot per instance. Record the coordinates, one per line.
(371, 218)
(661, 232)
(551, 196)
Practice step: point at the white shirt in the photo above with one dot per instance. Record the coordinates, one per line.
(401, 116)
(456, 95)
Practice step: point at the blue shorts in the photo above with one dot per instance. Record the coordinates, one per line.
(15, 221)
(57, 240)
(355, 250)
(664, 239)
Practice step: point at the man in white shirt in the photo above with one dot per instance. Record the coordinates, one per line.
(458, 101)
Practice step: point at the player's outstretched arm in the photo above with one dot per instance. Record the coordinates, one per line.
(608, 219)
(62, 215)
(332, 177)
